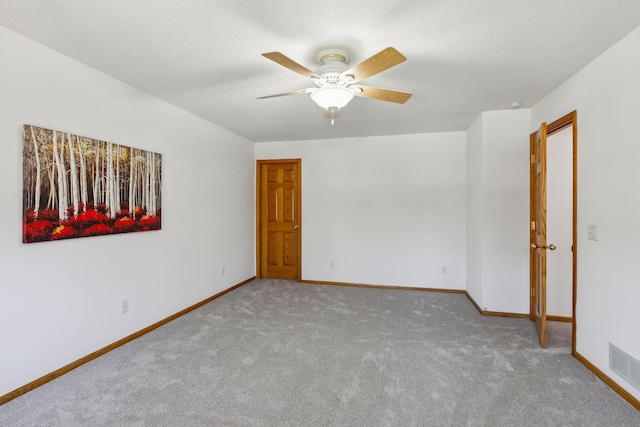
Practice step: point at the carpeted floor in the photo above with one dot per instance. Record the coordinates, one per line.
(281, 353)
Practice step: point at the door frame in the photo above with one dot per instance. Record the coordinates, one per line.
(570, 119)
(298, 207)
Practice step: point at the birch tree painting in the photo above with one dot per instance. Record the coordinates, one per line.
(77, 187)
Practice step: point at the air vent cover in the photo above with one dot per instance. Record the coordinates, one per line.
(624, 365)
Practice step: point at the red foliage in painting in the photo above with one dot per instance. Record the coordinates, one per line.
(140, 211)
(63, 232)
(97, 230)
(37, 231)
(124, 225)
(70, 210)
(123, 214)
(89, 223)
(89, 218)
(149, 223)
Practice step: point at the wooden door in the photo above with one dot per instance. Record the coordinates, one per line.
(278, 218)
(538, 238)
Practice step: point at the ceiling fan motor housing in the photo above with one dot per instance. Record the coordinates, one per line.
(334, 63)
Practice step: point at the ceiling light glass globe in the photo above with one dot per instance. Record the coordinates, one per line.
(328, 96)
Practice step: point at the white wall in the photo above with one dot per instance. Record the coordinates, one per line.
(60, 301)
(386, 210)
(505, 166)
(605, 94)
(498, 211)
(560, 223)
(475, 220)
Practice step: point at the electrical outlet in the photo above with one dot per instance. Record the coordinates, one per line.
(124, 306)
(592, 232)
(222, 271)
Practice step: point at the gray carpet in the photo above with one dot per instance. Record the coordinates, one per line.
(280, 353)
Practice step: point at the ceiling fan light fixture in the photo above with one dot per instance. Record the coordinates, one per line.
(336, 81)
(329, 97)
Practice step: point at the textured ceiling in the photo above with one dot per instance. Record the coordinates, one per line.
(463, 56)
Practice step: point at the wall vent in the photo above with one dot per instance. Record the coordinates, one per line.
(624, 365)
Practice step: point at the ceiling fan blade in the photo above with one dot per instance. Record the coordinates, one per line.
(293, 92)
(382, 60)
(383, 94)
(279, 58)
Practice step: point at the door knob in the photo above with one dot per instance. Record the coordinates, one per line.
(295, 227)
(551, 247)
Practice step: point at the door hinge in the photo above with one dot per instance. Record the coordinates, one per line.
(533, 292)
(533, 159)
(533, 226)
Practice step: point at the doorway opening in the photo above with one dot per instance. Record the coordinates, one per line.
(559, 231)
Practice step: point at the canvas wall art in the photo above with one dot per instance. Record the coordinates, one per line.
(74, 186)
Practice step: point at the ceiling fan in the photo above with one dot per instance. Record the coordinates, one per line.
(336, 83)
